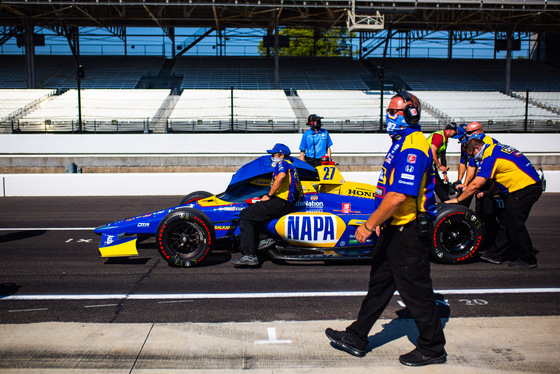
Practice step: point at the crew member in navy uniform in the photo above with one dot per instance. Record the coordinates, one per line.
(521, 187)
(405, 207)
(285, 189)
(315, 142)
(487, 205)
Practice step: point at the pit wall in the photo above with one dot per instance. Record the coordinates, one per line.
(138, 184)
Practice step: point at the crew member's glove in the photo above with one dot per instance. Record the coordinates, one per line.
(454, 186)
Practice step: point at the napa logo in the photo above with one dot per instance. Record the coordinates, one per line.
(311, 230)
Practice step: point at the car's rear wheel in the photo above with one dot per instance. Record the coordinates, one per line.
(458, 234)
(184, 237)
(194, 196)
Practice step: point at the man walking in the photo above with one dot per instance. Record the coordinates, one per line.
(405, 208)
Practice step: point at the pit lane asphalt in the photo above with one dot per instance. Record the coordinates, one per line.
(488, 325)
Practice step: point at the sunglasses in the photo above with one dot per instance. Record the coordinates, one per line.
(471, 154)
(392, 111)
(472, 131)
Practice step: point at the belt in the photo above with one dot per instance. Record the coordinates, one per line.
(398, 227)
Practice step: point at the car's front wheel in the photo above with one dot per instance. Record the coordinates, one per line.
(458, 234)
(184, 237)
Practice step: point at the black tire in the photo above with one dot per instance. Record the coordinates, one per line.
(194, 196)
(458, 234)
(185, 237)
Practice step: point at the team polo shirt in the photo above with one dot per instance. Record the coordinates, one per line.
(508, 167)
(471, 162)
(315, 144)
(408, 169)
(290, 187)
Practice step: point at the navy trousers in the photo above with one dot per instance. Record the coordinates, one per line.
(255, 216)
(401, 262)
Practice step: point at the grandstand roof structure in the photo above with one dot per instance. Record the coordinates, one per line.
(460, 15)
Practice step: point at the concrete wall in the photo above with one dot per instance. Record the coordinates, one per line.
(138, 184)
(220, 144)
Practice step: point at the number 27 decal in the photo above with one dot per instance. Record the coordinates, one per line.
(329, 173)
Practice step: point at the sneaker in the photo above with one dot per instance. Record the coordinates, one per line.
(346, 342)
(522, 264)
(415, 358)
(491, 260)
(265, 243)
(246, 260)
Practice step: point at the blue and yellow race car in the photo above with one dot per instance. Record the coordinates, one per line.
(320, 227)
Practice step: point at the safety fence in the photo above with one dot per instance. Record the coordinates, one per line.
(241, 126)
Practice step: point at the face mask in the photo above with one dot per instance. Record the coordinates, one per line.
(394, 125)
(480, 153)
(275, 160)
(474, 136)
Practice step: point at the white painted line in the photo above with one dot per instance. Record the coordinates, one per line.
(175, 301)
(266, 295)
(272, 338)
(47, 229)
(26, 310)
(100, 306)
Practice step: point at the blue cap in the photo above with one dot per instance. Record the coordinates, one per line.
(280, 148)
(460, 132)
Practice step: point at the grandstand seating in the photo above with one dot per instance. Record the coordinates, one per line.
(335, 88)
(253, 110)
(59, 72)
(108, 108)
(549, 100)
(493, 107)
(471, 75)
(257, 73)
(16, 102)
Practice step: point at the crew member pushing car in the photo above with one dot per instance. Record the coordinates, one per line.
(405, 207)
(284, 191)
(520, 185)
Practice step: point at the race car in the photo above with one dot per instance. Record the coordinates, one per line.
(320, 227)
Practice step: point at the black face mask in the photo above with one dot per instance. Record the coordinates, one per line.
(316, 126)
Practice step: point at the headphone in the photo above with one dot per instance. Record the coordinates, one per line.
(411, 113)
(314, 118)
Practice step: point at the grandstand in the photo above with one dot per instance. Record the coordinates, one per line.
(16, 102)
(547, 100)
(502, 112)
(253, 111)
(59, 72)
(472, 74)
(102, 110)
(196, 94)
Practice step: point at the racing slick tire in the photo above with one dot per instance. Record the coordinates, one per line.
(185, 237)
(194, 196)
(458, 234)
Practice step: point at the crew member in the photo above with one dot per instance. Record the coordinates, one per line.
(518, 181)
(405, 208)
(473, 130)
(486, 203)
(438, 146)
(315, 142)
(284, 191)
(463, 163)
